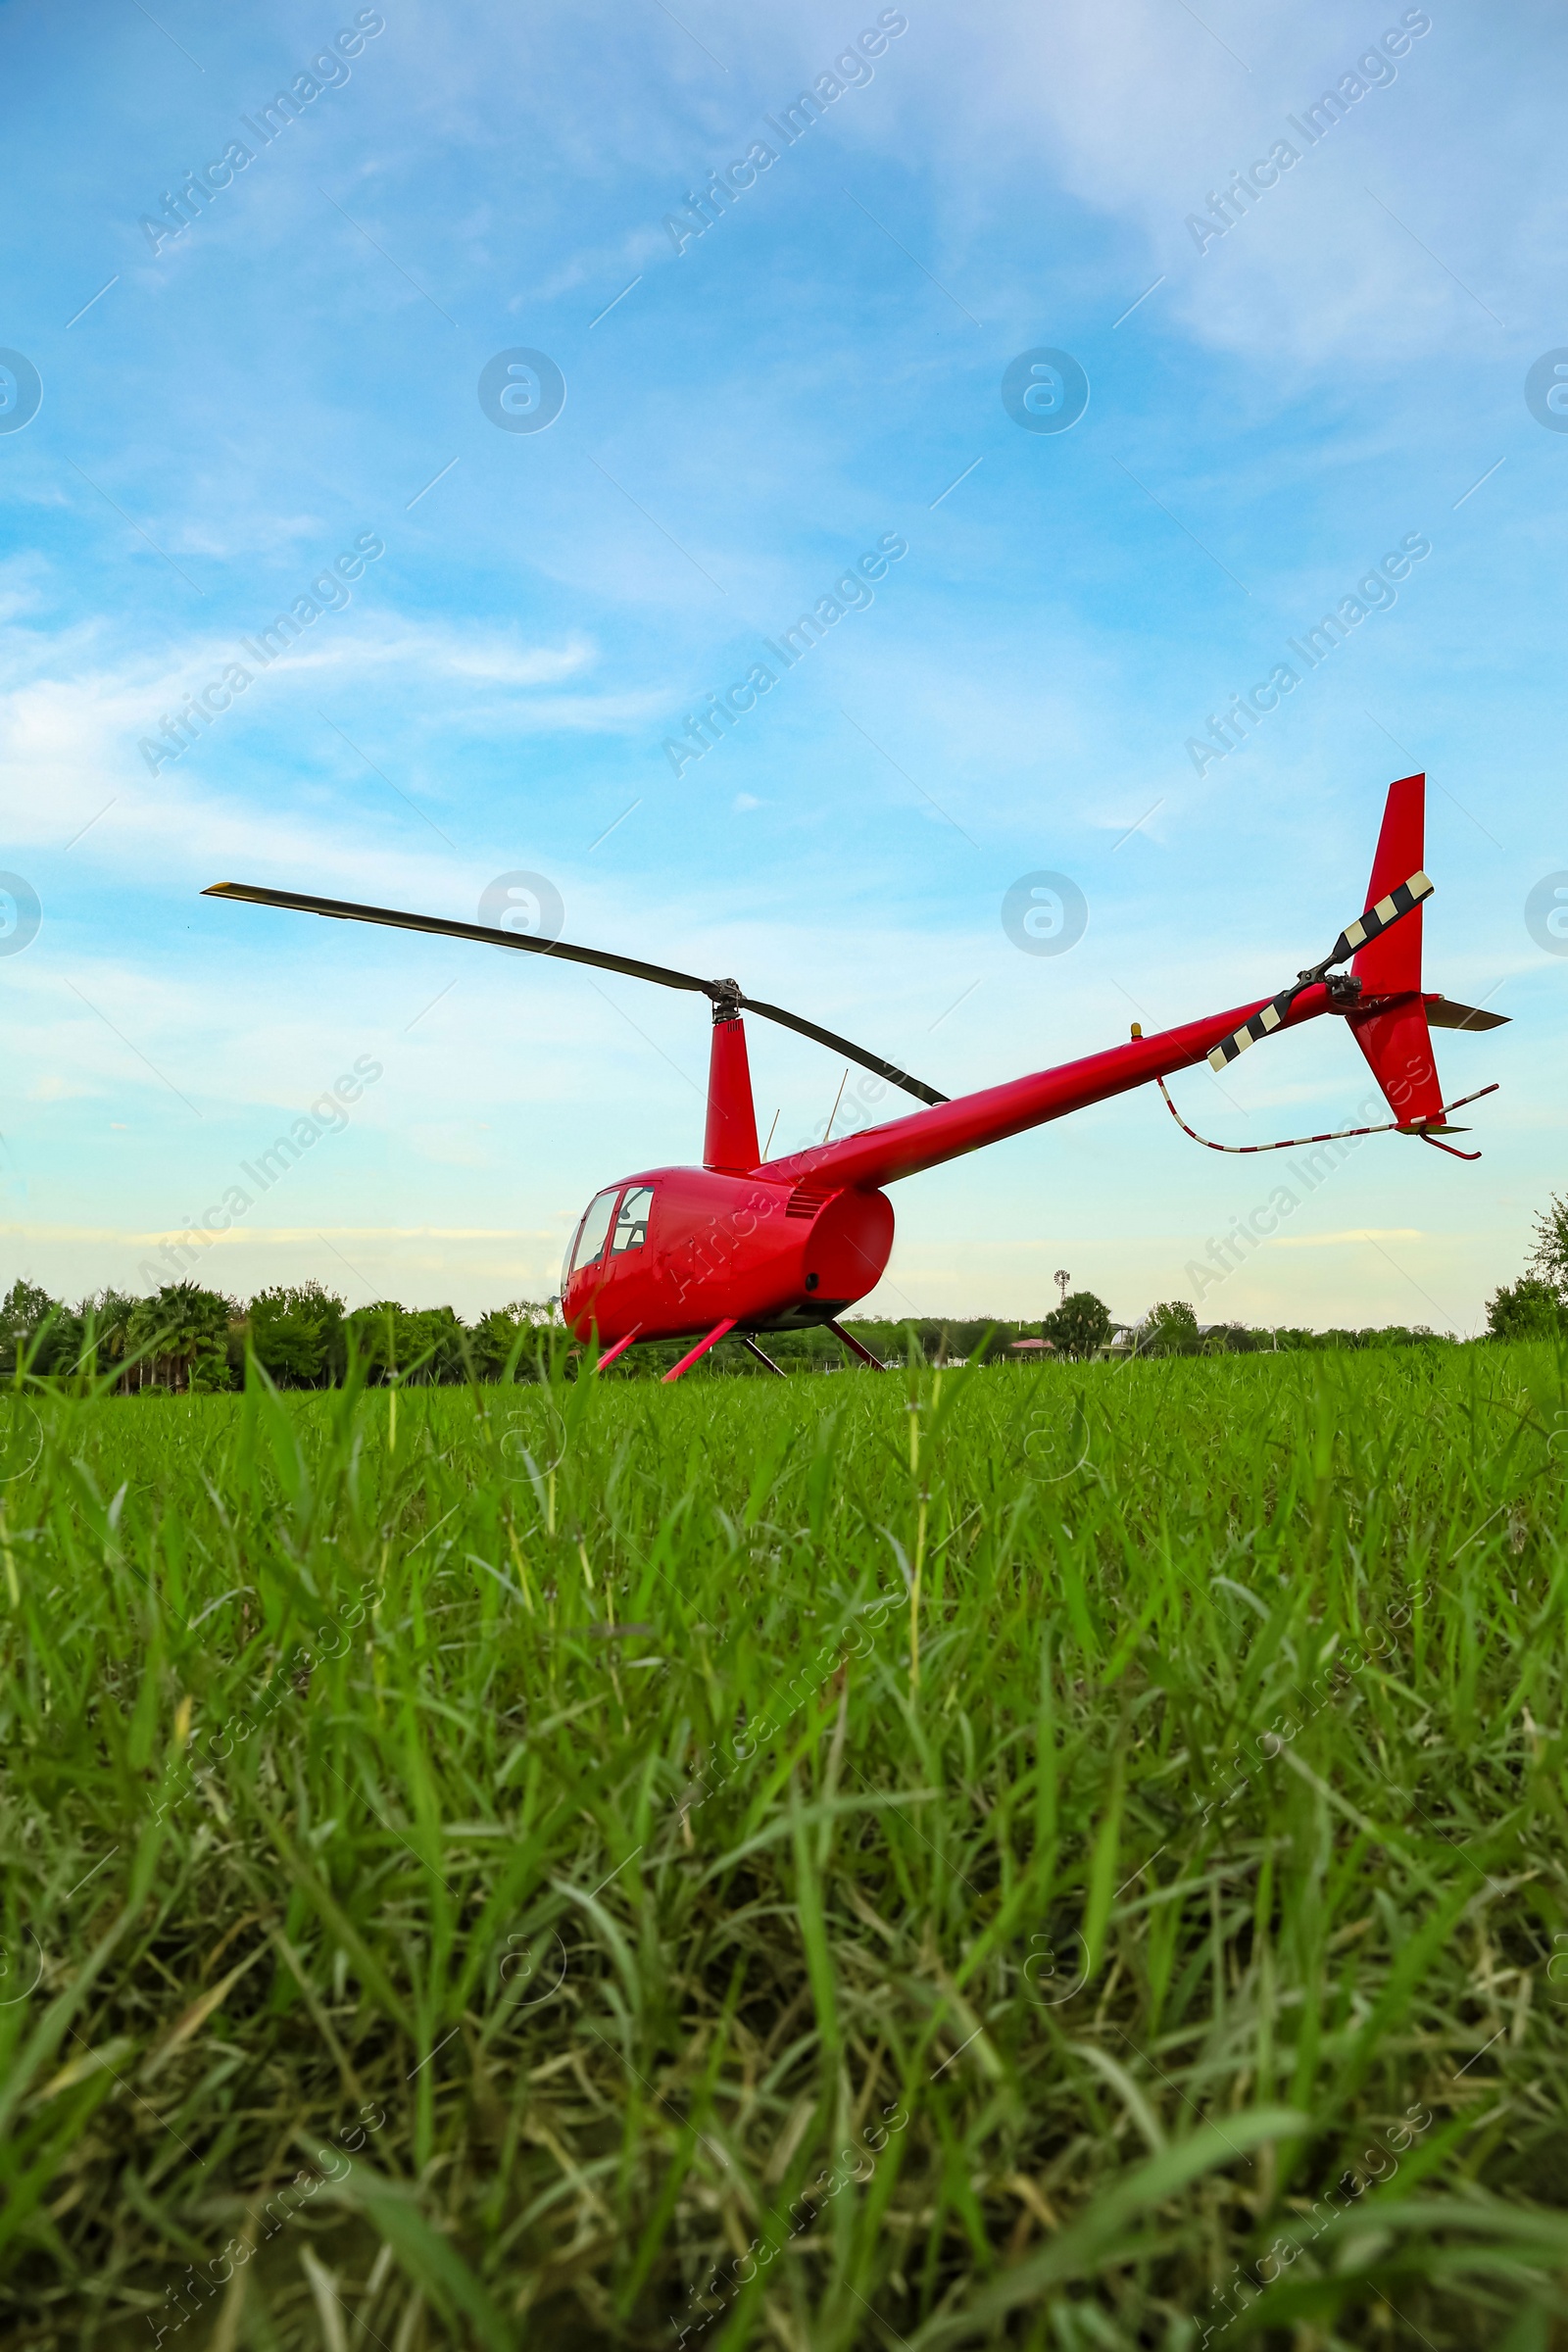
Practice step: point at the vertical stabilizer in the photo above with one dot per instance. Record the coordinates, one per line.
(1391, 963)
(1392, 1032)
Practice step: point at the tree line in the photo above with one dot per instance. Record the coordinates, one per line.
(1172, 1329)
(187, 1339)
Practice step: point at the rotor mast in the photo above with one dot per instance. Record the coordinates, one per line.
(729, 1145)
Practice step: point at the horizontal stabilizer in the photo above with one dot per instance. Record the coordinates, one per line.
(1443, 1013)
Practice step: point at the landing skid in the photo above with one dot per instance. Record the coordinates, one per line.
(722, 1331)
(855, 1347)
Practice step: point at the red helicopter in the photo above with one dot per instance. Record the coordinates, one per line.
(747, 1245)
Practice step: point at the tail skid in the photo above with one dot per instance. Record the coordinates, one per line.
(1336, 1134)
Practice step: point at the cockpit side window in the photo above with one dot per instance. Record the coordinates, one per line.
(631, 1225)
(595, 1228)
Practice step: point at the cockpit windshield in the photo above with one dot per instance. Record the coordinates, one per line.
(592, 1234)
(630, 1228)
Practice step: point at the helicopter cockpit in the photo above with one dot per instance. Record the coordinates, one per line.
(625, 1228)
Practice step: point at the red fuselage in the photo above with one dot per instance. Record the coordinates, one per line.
(792, 1241)
(767, 1254)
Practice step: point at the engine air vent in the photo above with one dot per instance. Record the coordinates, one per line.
(809, 1196)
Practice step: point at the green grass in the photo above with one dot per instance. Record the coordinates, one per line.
(933, 1860)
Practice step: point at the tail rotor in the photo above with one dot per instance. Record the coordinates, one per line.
(1403, 900)
(1381, 996)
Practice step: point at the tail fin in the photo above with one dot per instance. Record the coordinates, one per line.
(1391, 963)
(1392, 1028)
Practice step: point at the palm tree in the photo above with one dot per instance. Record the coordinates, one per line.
(185, 1331)
(105, 1331)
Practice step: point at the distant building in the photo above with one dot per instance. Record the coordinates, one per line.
(1122, 1342)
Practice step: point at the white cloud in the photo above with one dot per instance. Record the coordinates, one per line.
(73, 712)
(1142, 110)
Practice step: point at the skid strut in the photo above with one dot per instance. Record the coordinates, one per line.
(693, 1354)
(855, 1347)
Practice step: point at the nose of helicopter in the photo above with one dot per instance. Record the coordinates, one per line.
(678, 1249)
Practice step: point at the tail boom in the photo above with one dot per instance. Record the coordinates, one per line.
(928, 1138)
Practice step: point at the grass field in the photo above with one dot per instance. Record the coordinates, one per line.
(1066, 1857)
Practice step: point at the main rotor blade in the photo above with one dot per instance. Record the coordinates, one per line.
(346, 910)
(1402, 900)
(842, 1045)
(343, 911)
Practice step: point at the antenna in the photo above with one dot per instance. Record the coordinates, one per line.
(837, 1100)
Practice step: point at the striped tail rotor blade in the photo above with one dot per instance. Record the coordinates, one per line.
(1260, 1025)
(1403, 900)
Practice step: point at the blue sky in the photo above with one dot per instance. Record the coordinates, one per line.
(297, 371)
